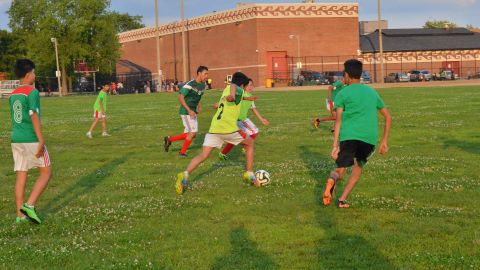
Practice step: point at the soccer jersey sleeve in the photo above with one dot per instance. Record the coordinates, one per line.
(380, 103)
(34, 102)
(185, 90)
(339, 101)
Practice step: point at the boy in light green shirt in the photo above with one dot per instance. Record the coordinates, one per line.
(99, 112)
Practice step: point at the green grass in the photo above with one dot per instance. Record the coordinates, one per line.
(111, 202)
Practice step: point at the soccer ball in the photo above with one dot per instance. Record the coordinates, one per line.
(263, 177)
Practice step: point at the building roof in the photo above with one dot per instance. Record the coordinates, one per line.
(420, 39)
(247, 12)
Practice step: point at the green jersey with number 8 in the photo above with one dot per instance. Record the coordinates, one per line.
(225, 119)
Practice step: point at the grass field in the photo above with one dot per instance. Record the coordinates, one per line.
(111, 202)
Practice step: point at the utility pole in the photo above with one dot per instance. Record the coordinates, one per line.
(183, 44)
(157, 38)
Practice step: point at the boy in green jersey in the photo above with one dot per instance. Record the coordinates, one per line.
(28, 146)
(244, 123)
(333, 91)
(356, 131)
(224, 129)
(189, 99)
(99, 111)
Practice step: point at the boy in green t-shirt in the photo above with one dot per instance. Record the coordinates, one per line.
(244, 123)
(28, 146)
(224, 129)
(356, 131)
(99, 111)
(189, 99)
(333, 91)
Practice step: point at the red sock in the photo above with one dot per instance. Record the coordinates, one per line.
(254, 136)
(227, 148)
(185, 146)
(178, 137)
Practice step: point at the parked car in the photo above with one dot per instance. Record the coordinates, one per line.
(447, 74)
(416, 76)
(390, 78)
(366, 78)
(333, 76)
(402, 77)
(314, 77)
(427, 76)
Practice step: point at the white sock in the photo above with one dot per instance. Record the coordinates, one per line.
(185, 173)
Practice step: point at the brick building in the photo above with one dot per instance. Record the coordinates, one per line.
(257, 39)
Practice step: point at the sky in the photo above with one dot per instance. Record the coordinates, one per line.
(399, 13)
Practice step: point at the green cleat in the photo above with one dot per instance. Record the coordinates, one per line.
(30, 213)
(222, 156)
(20, 220)
(181, 183)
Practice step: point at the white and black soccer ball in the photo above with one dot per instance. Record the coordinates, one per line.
(263, 177)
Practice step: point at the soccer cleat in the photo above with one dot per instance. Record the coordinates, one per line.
(328, 194)
(180, 184)
(343, 204)
(89, 135)
(182, 155)
(20, 220)
(316, 122)
(105, 134)
(30, 213)
(252, 180)
(166, 143)
(222, 156)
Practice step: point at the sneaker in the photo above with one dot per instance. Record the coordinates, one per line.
(328, 194)
(180, 184)
(343, 204)
(222, 156)
(89, 135)
(30, 213)
(183, 155)
(166, 143)
(252, 180)
(20, 220)
(316, 122)
(105, 134)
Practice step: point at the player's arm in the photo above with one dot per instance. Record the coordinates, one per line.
(336, 133)
(233, 93)
(215, 106)
(386, 130)
(101, 106)
(181, 99)
(37, 127)
(252, 98)
(259, 117)
(330, 89)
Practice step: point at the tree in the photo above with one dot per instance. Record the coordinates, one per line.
(10, 51)
(125, 22)
(83, 29)
(434, 24)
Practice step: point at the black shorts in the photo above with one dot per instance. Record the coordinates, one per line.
(354, 151)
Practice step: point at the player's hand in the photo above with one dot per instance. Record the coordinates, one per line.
(215, 106)
(383, 148)
(335, 151)
(253, 98)
(192, 114)
(265, 122)
(40, 150)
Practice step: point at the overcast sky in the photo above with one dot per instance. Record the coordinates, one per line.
(399, 13)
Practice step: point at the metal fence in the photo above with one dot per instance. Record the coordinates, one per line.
(314, 69)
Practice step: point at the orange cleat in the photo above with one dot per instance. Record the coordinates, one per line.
(328, 194)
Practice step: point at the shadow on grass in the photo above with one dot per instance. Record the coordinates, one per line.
(338, 250)
(469, 147)
(83, 186)
(244, 254)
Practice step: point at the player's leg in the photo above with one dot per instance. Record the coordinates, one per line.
(345, 159)
(20, 191)
(94, 124)
(104, 126)
(249, 175)
(188, 140)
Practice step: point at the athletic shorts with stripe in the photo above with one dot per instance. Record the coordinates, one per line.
(190, 123)
(24, 157)
(217, 140)
(248, 127)
(97, 114)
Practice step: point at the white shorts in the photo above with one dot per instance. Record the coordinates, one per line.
(97, 114)
(248, 127)
(190, 123)
(25, 159)
(217, 140)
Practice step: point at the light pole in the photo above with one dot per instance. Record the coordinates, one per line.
(297, 37)
(380, 42)
(183, 44)
(57, 73)
(157, 37)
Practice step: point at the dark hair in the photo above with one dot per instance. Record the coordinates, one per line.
(250, 80)
(22, 67)
(353, 68)
(201, 69)
(240, 79)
